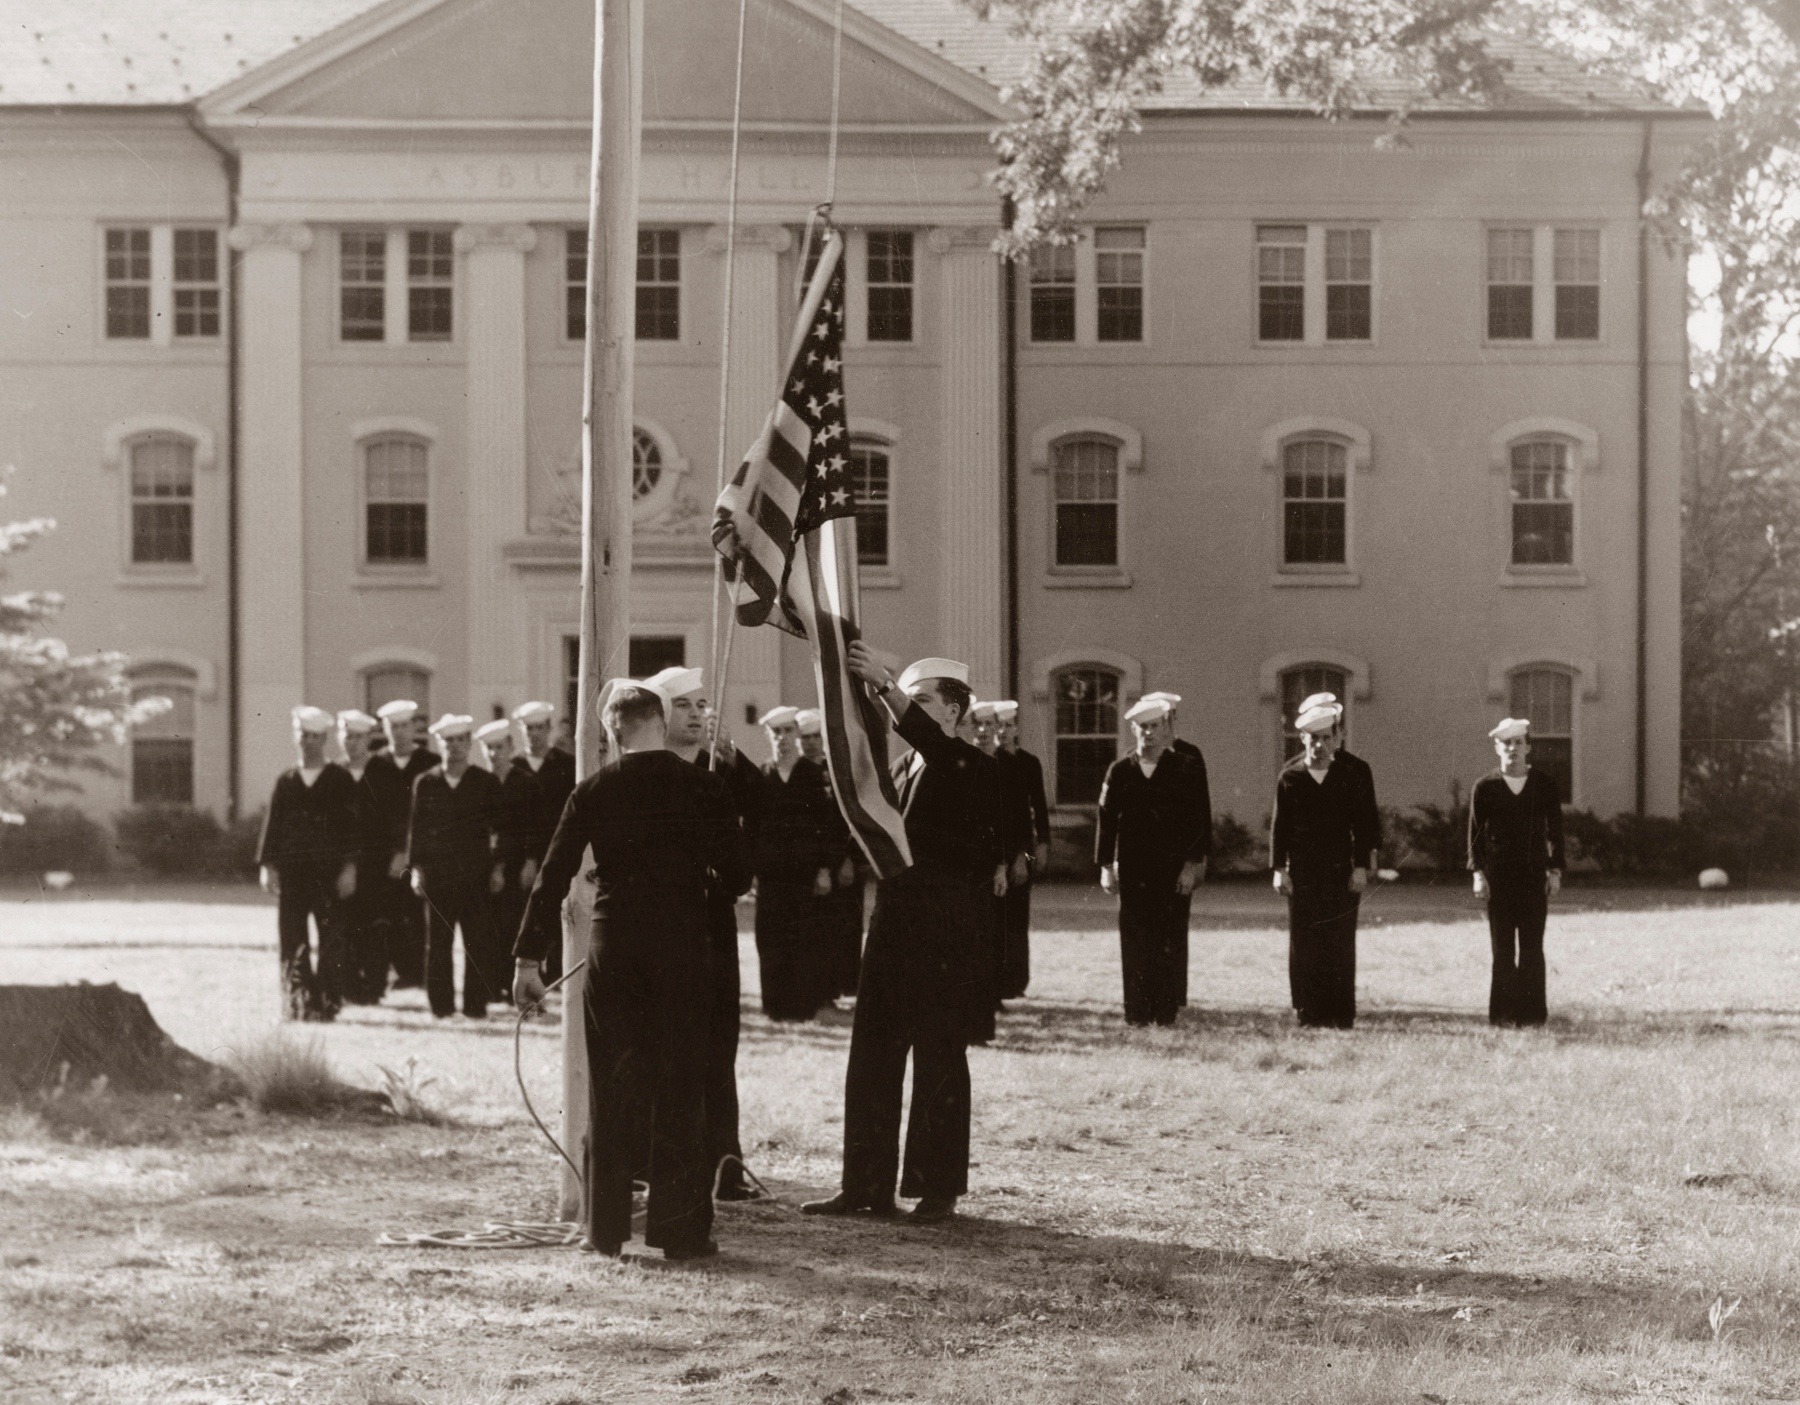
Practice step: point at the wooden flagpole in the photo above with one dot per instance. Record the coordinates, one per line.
(606, 479)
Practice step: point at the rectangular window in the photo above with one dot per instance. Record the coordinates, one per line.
(1281, 282)
(1577, 260)
(659, 285)
(1315, 503)
(362, 285)
(1119, 283)
(396, 502)
(890, 269)
(1543, 508)
(1545, 698)
(1087, 733)
(162, 501)
(196, 283)
(652, 653)
(430, 283)
(575, 284)
(1087, 503)
(1349, 283)
(162, 747)
(1053, 293)
(1509, 284)
(1299, 684)
(128, 284)
(869, 480)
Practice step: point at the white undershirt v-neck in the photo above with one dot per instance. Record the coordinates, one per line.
(1513, 783)
(1318, 776)
(308, 776)
(1148, 767)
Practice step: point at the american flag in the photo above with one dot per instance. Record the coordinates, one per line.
(786, 527)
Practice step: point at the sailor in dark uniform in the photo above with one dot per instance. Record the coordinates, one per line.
(308, 860)
(391, 774)
(553, 768)
(1015, 844)
(1182, 746)
(690, 718)
(921, 990)
(1324, 843)
(1516, 853)
(845, 924)
(496, 743)
(663, 834)
(1152, 843)
(364, 912)
(457, 870)
(791, 838)
(1028, 776)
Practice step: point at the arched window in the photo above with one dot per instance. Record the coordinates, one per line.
(1086, 485)
(1315, 503)
(396, 498)
(869, 469)
(1298, 684)
(390, 682)
(1545, 697)
(1087, 731)
(162, 747)
(646, 464)
(162, 500)
(1542, 492)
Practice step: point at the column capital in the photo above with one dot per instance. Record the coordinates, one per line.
(475, 236)
(944, 238)
(774, 236)
(295, 237)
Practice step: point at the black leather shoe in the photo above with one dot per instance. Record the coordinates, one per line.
(706, 1249)
(606, 1249)
(843, 1203)
(933, 1210)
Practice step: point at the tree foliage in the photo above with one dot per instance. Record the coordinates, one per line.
(57, 709)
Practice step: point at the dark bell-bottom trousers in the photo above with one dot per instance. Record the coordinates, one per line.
(1015, 959)
(1181, 952)
(647, 1050)
(991, 956)
(1152, 952)
(1516, 911)
(365, 920)
(721, 1090)
(937, 1128)
(469, 908)
(794, 948)
(406, 931)
(1322, 953)
(310, 989)
(506, 912)
(847, 904)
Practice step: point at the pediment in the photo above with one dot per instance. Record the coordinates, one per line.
(510, 61)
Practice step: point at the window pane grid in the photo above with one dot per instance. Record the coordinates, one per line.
(1281, 276)
(1053, 293)
(869, 481)
(396, 512)
(646, 464)
(1349, 275)
(196, 297)
(575, 283)
(1087, 506)
(658, 284)
(1087, 733)
(430, 271)
(362, 277)
(162, 507)
(128, 284)
(890, 280)
(1119, 279)
(1577, 272)
(1314, 503)
(1546, 698)
(162, 747)
(1543, 509)
(1509, 278)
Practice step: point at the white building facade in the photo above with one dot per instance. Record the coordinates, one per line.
(297, 366)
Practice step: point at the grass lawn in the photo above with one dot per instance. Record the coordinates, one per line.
(1232, 1210)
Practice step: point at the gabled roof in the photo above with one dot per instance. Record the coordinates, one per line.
(172, 53)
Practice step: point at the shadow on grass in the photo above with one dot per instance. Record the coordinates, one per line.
(966, 1284)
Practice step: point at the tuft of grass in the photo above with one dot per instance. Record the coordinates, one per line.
(407, 1090)
(281, 1073)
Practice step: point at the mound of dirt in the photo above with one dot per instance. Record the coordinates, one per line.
(71, 1035)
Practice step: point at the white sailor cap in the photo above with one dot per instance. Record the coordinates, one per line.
(452, 724)
(926, 669)
(1511, 729)
(1147, 710)
(534, 712)
(810, 721)
(612, 685)
(779, 716)
(1005, 711)
(677, 682)
(355, 721)
(983, 712)
(313, 719)
(1320, 718)
(399, 710)
(1319, 700)
(493, 731)
(1172, 699)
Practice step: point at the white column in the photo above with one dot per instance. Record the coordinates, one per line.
(761, 320)
(972, 608)
(494, 476)
(271, 500)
